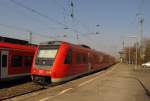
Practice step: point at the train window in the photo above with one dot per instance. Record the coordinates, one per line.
(68, 59)
(78, 58)
(16, 61)
(4, 61)
(28, 61)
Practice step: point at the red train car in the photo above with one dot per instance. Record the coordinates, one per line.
(15, 58)
(58, 61)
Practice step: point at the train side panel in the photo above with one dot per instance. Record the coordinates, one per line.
(15, 60)
(59, 68)
(19, 62)
(69, 66)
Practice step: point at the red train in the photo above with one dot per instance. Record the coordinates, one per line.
(16, 58)
(58, 61)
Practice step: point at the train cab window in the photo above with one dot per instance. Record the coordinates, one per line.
(68, 59)
(46, 56)
(28, 61)
(78, 58)
(16, 61)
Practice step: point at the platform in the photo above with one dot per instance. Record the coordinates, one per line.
(121, 82)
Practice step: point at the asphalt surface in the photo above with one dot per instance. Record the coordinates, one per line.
(121, 82)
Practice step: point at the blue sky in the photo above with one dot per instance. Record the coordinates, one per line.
(117, 19)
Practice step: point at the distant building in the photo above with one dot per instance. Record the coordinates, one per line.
(122, 56)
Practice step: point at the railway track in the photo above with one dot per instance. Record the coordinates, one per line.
(18, 90)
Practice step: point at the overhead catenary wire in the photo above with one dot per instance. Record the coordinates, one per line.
(61, 6)
(37, 12)
(14, 27)
(65, 12)
(72, 9)
(27, 30)
(40, 14)
(39, 22)
(74, 16)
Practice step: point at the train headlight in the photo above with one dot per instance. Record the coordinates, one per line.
(34, 71)
(48, 72)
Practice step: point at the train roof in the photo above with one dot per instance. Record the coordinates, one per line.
(59, 42)
(79, 45)
(13, 40)
(51, 43)
(85, 46)
(6, 45)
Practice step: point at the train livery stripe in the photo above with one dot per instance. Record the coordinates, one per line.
(55, 80)
(17, 75)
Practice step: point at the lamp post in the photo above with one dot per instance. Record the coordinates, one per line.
(136, 54)
(129, 55)
(141, 23)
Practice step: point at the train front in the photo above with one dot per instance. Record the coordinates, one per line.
(43, 62)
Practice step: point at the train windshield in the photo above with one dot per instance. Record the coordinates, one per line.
(45, 56)
(47, 53)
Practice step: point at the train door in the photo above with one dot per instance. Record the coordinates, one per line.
(4, 64)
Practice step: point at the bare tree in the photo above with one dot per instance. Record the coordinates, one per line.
(147, 50)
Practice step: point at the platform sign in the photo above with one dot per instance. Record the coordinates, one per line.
(4, 64)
